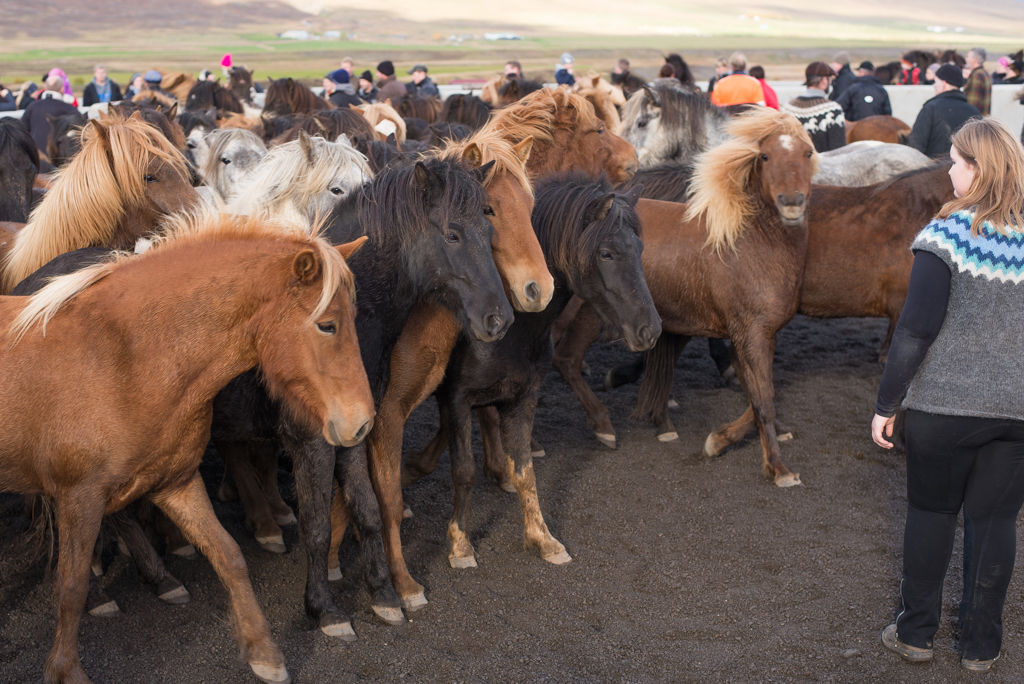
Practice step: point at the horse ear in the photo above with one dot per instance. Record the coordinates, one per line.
(358, 108)
(349, 248)
(306, 145)
(391, 140)
(472, 154)
(172, 113)
(50, 119)
(482, 172)
(599, 209)
(306, 267)
(633, 194)
(343, 139)
(522, 150)
(652, 96)
(595, 81)
(101, 135)
(426, 180)
(388, 103)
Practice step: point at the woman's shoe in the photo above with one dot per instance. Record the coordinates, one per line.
(911, 654)
(978, 665)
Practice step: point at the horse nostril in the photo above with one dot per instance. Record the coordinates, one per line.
(493, 324)
(531, 291)
(364, 430)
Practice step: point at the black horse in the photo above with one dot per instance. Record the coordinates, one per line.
(65, 138)
(469, 110)
(591, 240)
(428, 238)
(19, 164)
(210, 94)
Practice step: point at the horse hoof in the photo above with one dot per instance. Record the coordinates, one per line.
(97, 569)
(227, 493)
(709, 446)
(672, 403)
(414, 602)
(560, 558)
(668, 436)
(333, 574)
(584, 369)
(507, 486)
(392, 616)
(123, 549)
(788, 480)
(340, 630)
(607, 439)
(607, 384)
(406, 513)
(273, 544)
(108, 609)
(459, 562)
(539, 453)
(286, 519)
(186, 551)
(784, 437)
(178, 596)
(271, 674)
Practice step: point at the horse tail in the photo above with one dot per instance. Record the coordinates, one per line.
(41, 536)
(659, 370)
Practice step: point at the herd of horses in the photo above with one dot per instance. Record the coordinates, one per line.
(299, 279)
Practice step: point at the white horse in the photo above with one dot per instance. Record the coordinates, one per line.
(232, 154)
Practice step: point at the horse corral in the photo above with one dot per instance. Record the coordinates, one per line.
(479, 245)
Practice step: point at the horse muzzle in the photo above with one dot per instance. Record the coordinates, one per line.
(642, 338)
(792, 208)
(347, 433)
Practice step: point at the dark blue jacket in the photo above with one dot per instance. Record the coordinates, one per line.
(866, 97)
(563, 77)
(938, 119)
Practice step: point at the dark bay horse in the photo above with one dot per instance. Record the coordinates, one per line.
(728, 264)
(210, 94)
(240, 83)
(288, 96)
(591, 239)
(110, 194)
(245, 293)
(65, 138)
(427, 108)
(465, 109)
(19, 164)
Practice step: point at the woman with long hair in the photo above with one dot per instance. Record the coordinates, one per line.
(958, 356)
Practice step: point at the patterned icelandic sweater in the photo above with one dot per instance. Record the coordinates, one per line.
(822, 119)
(975, 367)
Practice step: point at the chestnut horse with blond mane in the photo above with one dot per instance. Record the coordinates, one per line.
(110, 194)
(101, 411)
(729, 263)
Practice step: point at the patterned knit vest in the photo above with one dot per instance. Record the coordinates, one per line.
(975, 367)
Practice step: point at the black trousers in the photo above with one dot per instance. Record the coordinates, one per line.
(976, 464)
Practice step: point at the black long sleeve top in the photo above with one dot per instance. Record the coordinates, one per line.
(920, 321)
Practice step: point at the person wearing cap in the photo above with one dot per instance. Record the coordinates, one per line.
(207, 75)
(737, 88)
(340, 92)
(388, 86)
(101, 88)
(821, 118)
(367, 92)
(978, 88)
(563, 70)
(866, 97)
(942, 115)
(910, 73)
(421, 85)
(844, 76)
(153, 79)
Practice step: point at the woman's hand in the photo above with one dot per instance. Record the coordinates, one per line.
(881, 427)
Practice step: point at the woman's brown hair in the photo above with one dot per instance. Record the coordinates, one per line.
(998, 188)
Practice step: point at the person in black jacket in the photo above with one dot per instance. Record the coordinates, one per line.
(844, 77)
(367, 91)
(866, 97)
(7, 101)
(50, 104)
(942, 115)
(421, 84)
(101, 88)
(341, 92)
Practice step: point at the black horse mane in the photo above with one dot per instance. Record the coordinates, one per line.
(14, 136)
(189, 120)
(391, 210)
(60, 126)
(680, 69)
(379, 154)
(288, 96)
(206, 94)
(415, 106)
(519, 87)
(327, 124)
(668, 181)
(469, 110)
(921, 170)
(565, 222)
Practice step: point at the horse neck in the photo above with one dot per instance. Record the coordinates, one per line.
(136, 222)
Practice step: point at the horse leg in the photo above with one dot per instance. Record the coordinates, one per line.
(516, 426)
(656, 386)
(353, 473)
(238, 459)
(494, 452)
(227, 491)
(147, 561)
(264, 460)
(189, 508)
(425, 462)
(98, 604)
(456, 420)
(568, 360)
(172, 536)
(313, 461)
(340, 515)
(79, 516)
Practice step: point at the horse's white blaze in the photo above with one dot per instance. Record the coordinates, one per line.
(786, 141)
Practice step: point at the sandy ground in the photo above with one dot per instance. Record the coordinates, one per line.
(686, 569)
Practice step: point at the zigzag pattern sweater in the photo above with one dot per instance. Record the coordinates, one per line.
(975, 366)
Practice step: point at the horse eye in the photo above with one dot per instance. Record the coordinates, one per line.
(809, 154)
(225, 160)
(451, 237)
(191, 144)
(336, 191)
(488, 211)
(641, 123)
(327, 328)
(606, 255)
(150, 178)
(764, 157)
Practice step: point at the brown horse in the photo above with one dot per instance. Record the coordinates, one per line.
(572, 138)
(886, 129)
(728, 264)
(427, 108)
(178, 83)
(288, 96)
(220, 295)
(109, 195)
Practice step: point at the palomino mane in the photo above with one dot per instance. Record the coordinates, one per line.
(286, 177)
(199, 227)
(540, 113)
(721, 176)
(382, 111)
(90, 195)
(493, 147)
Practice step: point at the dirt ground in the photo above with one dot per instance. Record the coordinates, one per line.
(685, 569)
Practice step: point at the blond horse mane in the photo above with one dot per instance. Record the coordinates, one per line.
(489, 94)
(490, 146)
(91, 194)
(604, 106)
(540, 113)
(718, 189)
(381, 111)
(201, 226)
